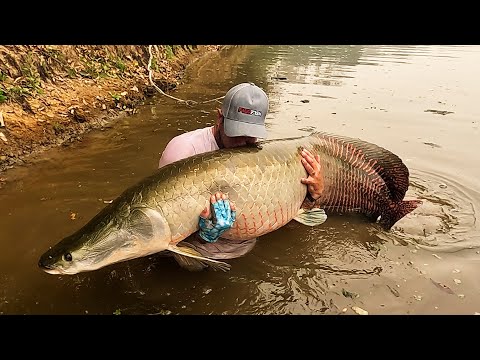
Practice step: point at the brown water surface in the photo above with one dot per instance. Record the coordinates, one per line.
(420, 102)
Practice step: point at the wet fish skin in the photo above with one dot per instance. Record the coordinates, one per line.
(263, 180)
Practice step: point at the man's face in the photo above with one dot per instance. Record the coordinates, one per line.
(237, 141)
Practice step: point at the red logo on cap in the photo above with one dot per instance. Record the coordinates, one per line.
(249, 111)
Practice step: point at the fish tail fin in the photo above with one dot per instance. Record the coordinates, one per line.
(311, 217)
(397, 212)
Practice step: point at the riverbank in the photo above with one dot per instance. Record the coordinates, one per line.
(51, 95)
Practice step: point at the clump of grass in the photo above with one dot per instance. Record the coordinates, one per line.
(154, 65)
(89, 69)
(115, 96)
(71, 73)
(58, 128)
(32, 80)
(169, 52)
(28, 85)
(17, 93)
(119, 64)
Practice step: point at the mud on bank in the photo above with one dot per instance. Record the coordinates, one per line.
(51, 95)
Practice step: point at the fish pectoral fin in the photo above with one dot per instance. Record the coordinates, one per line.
(194, 261)
(311, 217)
(221, 249)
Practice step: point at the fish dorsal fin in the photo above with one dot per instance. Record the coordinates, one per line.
(369, 157)
(194, 261)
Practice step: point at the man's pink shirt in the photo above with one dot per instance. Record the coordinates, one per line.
(188, 144)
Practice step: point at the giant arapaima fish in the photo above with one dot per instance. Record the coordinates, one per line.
(263, 181)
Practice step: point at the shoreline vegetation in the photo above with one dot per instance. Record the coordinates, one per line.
(52, 94)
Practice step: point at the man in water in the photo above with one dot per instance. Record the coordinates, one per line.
(240, 122)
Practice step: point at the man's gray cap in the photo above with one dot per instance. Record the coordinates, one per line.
(244, 109)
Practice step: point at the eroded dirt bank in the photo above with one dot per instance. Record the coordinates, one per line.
(51, 95)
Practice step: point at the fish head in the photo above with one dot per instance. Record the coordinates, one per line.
(108, 239)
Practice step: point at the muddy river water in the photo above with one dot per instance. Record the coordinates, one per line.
(420, 102)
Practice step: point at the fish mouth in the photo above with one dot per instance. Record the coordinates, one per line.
(50, 269)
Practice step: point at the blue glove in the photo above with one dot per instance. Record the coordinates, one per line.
(223, 219)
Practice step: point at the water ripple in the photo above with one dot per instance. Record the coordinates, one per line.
(447, 219)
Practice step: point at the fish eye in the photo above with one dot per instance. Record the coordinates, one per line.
(67, 256)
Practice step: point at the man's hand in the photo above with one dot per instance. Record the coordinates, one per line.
(314, 181)
(222, 219)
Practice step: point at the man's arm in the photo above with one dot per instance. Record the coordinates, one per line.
(214, 223)
(175, 150)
